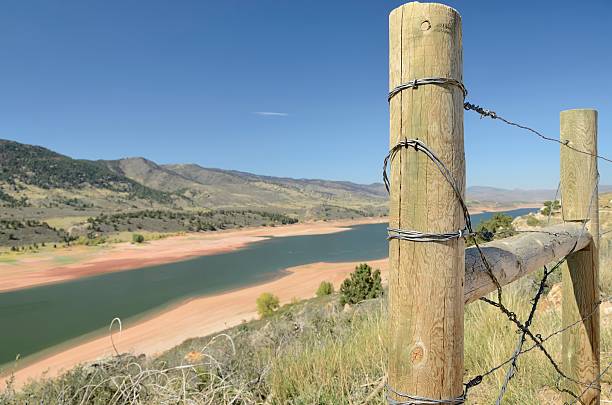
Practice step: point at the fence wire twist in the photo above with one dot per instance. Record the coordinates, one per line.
(523, 328)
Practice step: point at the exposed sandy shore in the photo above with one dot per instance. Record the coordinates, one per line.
(193, 318)
(46, 267)
(479, 209)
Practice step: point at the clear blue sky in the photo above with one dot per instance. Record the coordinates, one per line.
(187, 81)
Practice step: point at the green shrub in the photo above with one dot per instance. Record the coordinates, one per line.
(267, 303)
(325, 288)
(551, 206)
(498, 226)
(137, 238)
(533, 221)
(361, 285)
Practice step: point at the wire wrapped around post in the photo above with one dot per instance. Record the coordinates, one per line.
(418, 400)
(414, 84)
(417, 236)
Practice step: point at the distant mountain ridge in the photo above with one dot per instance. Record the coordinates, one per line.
(39, 177)
(505, 196)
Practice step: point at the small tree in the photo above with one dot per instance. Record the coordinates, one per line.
(137, 238)
(361, 285)
(267, 303)
(325, 288)
(499, 225)
(551, 206)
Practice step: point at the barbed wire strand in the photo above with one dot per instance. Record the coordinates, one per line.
(420, 146)
(542, 285)
(596, 380)
(484, 112)
(493, 115)
(547, 338)
(513, 367)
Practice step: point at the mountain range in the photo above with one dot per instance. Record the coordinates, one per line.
(38, 177)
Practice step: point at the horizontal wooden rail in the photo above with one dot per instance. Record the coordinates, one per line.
(517, 256)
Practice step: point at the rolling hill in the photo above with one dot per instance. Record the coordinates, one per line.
(217, 188)
(33, 176)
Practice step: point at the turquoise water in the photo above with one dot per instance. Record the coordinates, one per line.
(38, 318)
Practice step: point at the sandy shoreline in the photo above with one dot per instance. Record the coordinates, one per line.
(192, 318)
(480, 209)
(43, 268)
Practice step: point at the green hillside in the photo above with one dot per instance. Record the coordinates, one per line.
(40, 167)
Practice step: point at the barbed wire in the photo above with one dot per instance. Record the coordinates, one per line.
(523, 328)
(484, 112)
(521, 340)
(417, 236)
(538, 295)
(493, 115)
(596, 380)
(420, 146)
(546, 338)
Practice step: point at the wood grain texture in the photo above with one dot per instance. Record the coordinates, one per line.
(520, 255)
(426, 279)
(578, 170)
(581, 271)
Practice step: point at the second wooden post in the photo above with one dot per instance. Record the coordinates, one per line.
(581, 271)
(426, 278)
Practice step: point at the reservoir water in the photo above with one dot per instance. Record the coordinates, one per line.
(38, 318)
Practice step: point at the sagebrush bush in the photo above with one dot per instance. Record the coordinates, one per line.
(137, 238)
(325, 288)
(267, 303)
(533, 221)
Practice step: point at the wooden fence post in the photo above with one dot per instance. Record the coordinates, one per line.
(581, 271)
(426, 278)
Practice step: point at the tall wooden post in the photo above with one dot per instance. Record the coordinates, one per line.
(581, 271)
(426, 278)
